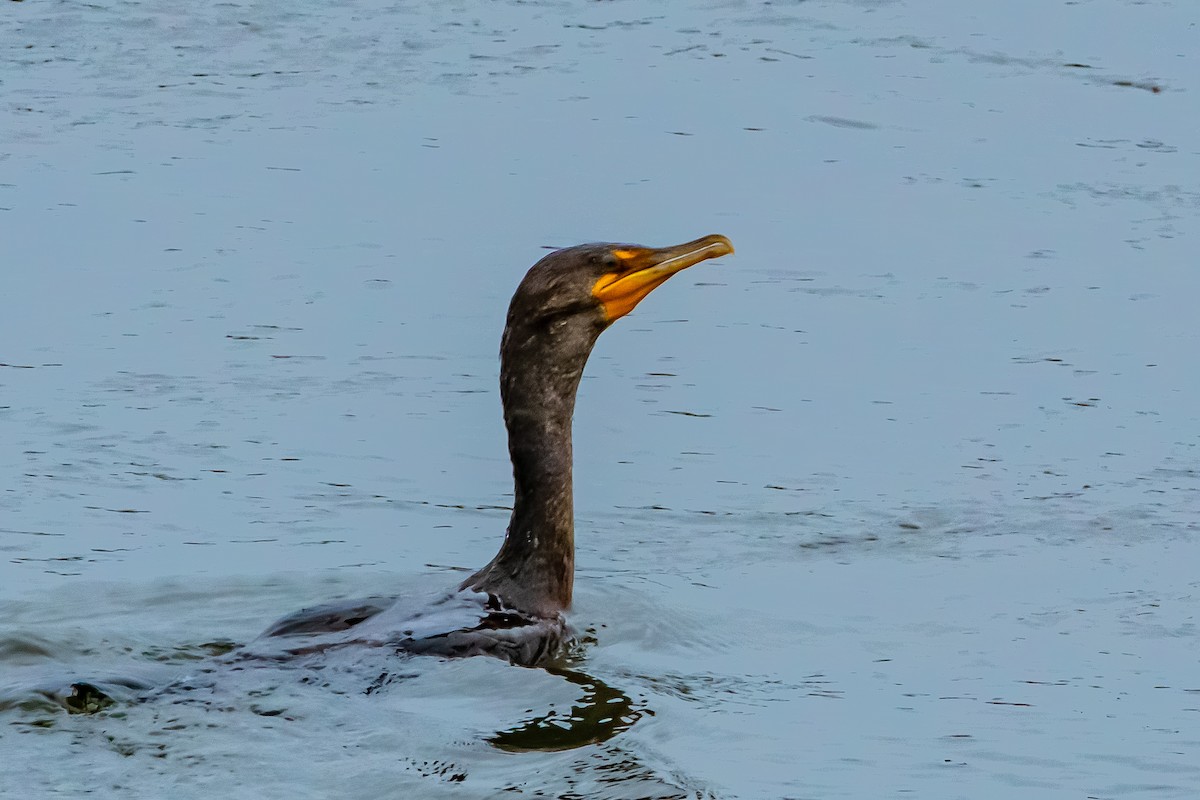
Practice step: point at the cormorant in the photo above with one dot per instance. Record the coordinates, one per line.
(513, 607)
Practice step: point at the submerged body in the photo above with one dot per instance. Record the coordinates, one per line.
(456, 624)
(513, 607)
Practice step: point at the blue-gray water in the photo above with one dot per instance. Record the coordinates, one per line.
(901, 500)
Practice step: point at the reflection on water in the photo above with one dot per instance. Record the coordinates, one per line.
(601, 713)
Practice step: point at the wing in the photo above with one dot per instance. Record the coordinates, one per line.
(340, 615)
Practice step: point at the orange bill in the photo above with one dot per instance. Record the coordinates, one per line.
(643, 269)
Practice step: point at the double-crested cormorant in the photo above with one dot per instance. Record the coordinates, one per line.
(513, 607)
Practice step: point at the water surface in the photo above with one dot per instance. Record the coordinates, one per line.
(902, 500)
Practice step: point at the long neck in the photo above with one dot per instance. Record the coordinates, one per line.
(539, 375)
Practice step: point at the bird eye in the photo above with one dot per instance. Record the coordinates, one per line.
(609, 261)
